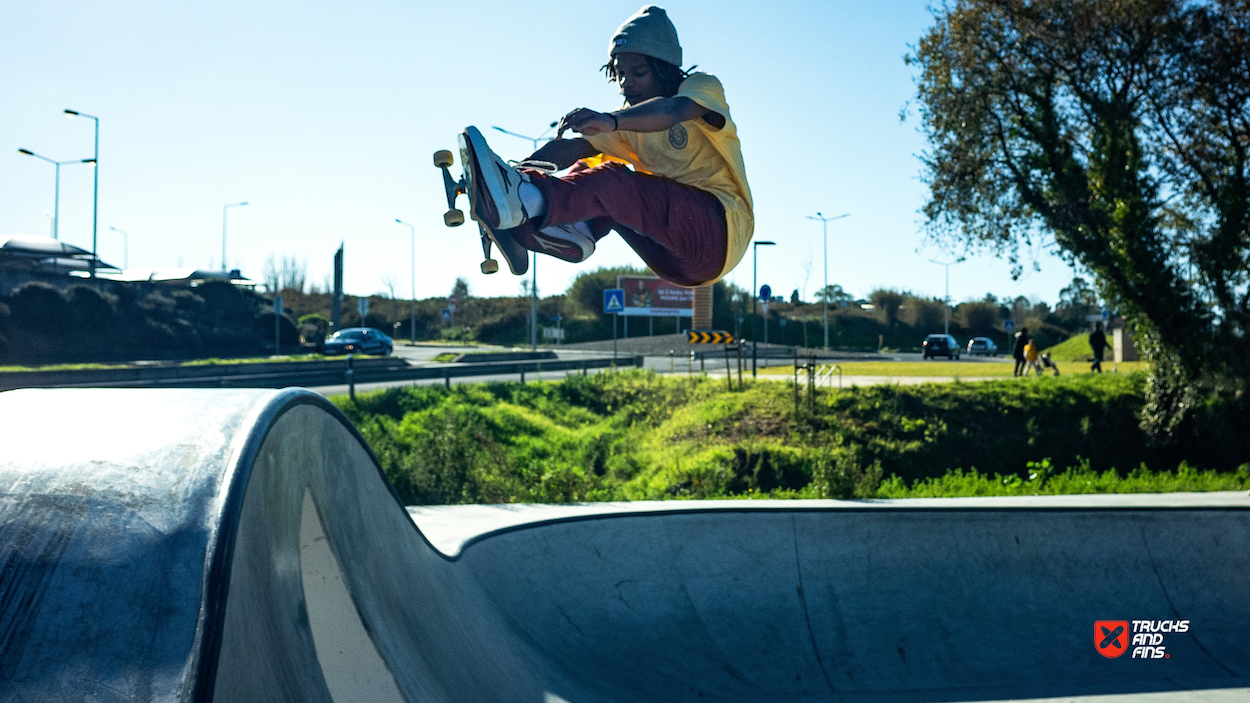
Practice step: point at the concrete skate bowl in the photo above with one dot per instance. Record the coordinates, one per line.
(232, 545)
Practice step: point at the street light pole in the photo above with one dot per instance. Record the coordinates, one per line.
(533, 140)
(95, 189)
(534, 305)
(412, 317)
(224, 210)
(946, 301)
(56, 203)
(534, 266)
(755, 260)
(824, 292)
(125, 247)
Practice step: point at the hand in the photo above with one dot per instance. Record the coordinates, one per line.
(586, 122)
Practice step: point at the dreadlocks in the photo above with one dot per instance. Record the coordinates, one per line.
(668, 76)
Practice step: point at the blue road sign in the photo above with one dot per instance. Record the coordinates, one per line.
(614, 301)
(1010, 325)
(446, 314)
(766, 293)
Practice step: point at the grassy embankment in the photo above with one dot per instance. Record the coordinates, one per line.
(635, 435)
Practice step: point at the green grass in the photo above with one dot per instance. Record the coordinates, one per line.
(445, 357)
(1076, 348)
(945, 368)
(636, 435)
(61, 367)
(1044, 480)
(213, 361)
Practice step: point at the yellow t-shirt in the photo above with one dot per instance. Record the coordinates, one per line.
(696, 154)
(1030, 352)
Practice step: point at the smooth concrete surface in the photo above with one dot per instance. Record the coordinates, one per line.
(198, 545)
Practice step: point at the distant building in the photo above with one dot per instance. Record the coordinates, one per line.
(187, 276)
(27, 257)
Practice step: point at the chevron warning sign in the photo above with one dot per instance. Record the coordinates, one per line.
(710, 337)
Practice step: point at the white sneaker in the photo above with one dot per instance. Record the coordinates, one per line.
(493, 184)
(571, 242)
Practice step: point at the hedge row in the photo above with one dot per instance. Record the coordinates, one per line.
(42, 323)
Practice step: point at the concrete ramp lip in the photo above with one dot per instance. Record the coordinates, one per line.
(198, 545)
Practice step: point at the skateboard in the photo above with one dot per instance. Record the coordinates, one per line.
(516, 256)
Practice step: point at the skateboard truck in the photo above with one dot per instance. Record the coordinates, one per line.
(443, 160)
(489, 265)
(454, 217)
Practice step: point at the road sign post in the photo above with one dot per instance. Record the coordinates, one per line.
(614, 305)
(277, 325)
(766, 295)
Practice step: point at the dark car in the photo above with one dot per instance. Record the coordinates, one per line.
(941, 345)
(358, 340)
(983, 346)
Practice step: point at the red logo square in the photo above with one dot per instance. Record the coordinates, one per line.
(1111, 637)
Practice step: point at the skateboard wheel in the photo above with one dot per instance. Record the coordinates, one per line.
(443, 158)
(453, 218)
(490, 266)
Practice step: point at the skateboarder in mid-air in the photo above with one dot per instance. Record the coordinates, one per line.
(685, 207)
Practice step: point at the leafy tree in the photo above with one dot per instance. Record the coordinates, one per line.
(460, 290)
(887, 303)
(979, 317)
(585, 295)
(835, 296)
(1077, 294)
(927, 315)
(1121, 130)
(1076, 300)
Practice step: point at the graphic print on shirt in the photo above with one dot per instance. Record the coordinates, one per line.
(677, 136)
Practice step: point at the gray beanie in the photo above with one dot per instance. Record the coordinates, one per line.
(650, 33)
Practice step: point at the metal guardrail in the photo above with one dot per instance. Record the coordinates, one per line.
(282, 375)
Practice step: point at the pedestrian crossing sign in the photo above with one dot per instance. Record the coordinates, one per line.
(614, 301)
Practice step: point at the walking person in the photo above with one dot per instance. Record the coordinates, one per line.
(1097, 342)
(1022, 338)
(1031, 359)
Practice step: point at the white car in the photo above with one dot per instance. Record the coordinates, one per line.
(983, 346)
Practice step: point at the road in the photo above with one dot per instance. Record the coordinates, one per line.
(242, 545)
(658, 360)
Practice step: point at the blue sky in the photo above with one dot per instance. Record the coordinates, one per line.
(324, 117)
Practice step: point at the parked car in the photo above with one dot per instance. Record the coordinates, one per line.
(941, 345)
(983, 346)
(358, 340)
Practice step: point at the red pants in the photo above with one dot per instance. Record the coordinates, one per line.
(678, 231)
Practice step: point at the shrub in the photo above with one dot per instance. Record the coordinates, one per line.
(39, 307)
(634, 435)
(288, 334)
(159, 335)
(886, 303)
(979, 318)
(91, 310)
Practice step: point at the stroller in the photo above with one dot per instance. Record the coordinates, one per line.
(1047, 364)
